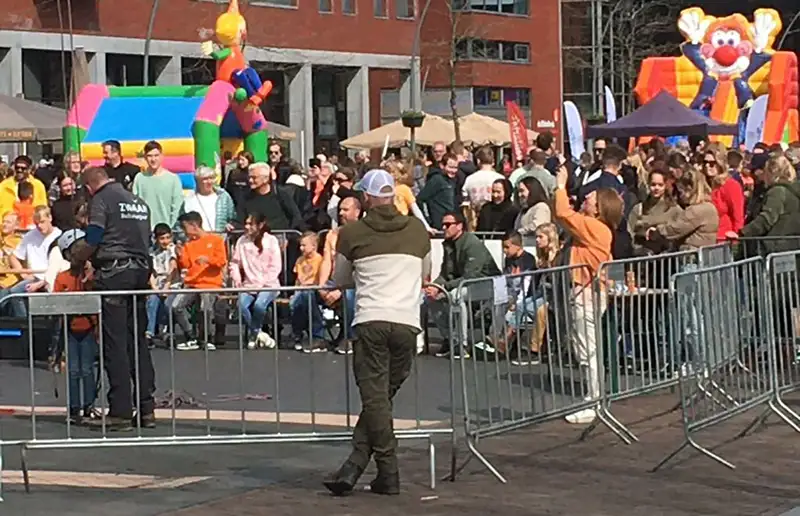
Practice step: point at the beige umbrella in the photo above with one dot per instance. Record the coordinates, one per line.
(479, 129)
(434, 128)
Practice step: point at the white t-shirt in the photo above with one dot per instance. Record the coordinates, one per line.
(34, 248)
(206, 206)
(477, 189)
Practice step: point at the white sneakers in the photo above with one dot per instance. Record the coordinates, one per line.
(582, 417)
(261, 340)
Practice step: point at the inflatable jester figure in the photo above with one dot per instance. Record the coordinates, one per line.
(230, 33)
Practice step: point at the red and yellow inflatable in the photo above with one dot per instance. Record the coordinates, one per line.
(727, 63)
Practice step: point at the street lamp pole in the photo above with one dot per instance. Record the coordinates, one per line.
(415, 88)
(147, 39)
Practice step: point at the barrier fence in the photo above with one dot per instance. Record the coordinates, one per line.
(207, 397)
(558, 342)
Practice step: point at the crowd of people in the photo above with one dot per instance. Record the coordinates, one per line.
(261, 226)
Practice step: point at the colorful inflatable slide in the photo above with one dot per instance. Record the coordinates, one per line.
(727, 63)
(195, 125)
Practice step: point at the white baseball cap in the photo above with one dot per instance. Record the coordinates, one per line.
(69, 237)
(377, 183)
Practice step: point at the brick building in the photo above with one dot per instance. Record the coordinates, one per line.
(339, 66)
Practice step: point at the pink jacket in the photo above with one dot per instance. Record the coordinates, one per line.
(249, 268)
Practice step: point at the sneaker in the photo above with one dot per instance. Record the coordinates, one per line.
(486, 347)
(251, 343)
(315, 346)
(345, 347)
(113, 424)
(210, 346)
(457, 355)
(265, 340)
(74, 417)
(526, 357)
(298, 346)
(444, 353)
(148, 421)
(189, 345)
(582, 417)
(420, 344)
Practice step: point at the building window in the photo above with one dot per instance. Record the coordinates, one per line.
(349, 6)
(493, 6)
(326, 6)
(405, 8)
(274, 3)
(380, 8)
(501, 51)
(497, 97)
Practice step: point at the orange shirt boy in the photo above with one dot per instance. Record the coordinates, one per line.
(204, 257)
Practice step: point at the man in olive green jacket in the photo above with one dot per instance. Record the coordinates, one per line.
(465, 258)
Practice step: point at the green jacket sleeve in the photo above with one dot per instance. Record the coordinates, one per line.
(431, 188)
(473, 257)
(770, 212)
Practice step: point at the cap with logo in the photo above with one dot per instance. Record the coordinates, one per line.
(377, 183)
(69, 237)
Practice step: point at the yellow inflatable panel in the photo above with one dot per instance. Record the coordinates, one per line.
(232, 145)
(131, 149)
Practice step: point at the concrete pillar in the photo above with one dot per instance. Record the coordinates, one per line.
(168, 69)
(11, 71)
(358, 102)
(97, 68)
(301, 111)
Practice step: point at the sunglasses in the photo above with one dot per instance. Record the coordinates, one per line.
(597, 151)
(709, 163)
(341, 179)
(21, 168)
(274, 153)
(446, 225)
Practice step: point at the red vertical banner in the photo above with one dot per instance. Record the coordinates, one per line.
(519, 132)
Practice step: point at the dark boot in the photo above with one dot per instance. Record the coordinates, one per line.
(343, 481)
(387, 481)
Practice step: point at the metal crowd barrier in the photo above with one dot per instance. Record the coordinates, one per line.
(527, 367)
(204, 400)
(722, 329)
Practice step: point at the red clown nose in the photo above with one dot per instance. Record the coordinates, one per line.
(726, 56)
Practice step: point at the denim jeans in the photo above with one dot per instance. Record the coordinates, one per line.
(81, 355)
(179, 304)
(525, 310)
(155, 312)
(299, 308)
(15, 307)
(254, 308)
(349, 313)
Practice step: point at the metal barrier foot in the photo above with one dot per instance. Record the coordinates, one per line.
(757, 422)
(621, 429)
(488, 465)
(670, 456)
(26, 478)
(785, 413)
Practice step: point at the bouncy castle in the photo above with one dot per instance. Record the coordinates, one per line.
(726, 64)
(194, 124)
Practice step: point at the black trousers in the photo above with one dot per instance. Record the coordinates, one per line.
(383, 354)
(121, 347)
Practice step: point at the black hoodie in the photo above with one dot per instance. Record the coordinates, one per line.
(498, 218)
(438, 195)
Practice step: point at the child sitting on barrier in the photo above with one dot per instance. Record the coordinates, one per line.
(165, 275)
(81, 339)
(256, 264)
(203, 259)
(304, 302)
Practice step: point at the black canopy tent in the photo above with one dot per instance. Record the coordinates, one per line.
(664, 116)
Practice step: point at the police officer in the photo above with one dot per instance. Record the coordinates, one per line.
(388, 256)
(118, 234)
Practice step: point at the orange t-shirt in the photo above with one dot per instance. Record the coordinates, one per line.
(307, 269)
(233, 63)
(206, 275)
(66, 281)
(24, 211)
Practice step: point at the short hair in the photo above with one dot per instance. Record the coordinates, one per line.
(514, 237)
(260, 165)
(735, 159)
(457, 215)
(40, 211)
(545, 140)
(24, 159)
(457, 147)
(314, 162)
(151, 146)
(191, 218)
(538, 157)
(348, 172)
(280, 147)
(114, 145)
(355, 200)
(203, 172)
(93, 175)
(310, 235)
(246, 155)
(613, 156)
(485, 156)
(25, 190)
(162, 229)
(448, 156)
